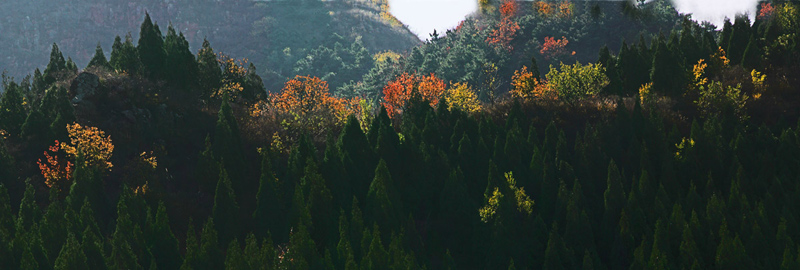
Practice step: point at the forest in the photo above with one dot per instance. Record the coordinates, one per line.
(550, 134)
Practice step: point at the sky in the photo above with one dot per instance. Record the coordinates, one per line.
(423, 16)
(715, 11)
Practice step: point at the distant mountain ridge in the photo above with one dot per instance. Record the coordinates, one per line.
(255, 30)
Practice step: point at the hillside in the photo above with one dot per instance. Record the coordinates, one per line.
(526, 138)
(258, 31)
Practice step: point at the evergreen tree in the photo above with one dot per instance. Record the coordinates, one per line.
(356, 155)
(192, 259)
(92, 248)
(381, 207)
(161, 241)
(234, 259)
(667, 73)
(752, 54)
(151, 49)
(99, 59)
(267, 216)
(180, 66)
(209, 72)
(71, 255)
(12, 112)
(225, 211)
(56, 67)
(210, 256)
(36, 130)
(125, 57)
(227, 148)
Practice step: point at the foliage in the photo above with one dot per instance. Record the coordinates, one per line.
(554, 49)
(526, 86)
(305, 104)
(574, 82)
(461, 96)
(56, 173)
(398, 92)
(716, 100)
(92, 143)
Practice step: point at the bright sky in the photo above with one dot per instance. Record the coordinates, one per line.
(422, 16)
(715, 11)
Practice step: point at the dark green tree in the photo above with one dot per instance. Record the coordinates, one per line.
(151, 49)
(226, 210)
(209, 72)
(99, 59)
(180, 66)
(57, 66)
(12, 111)
(71, 255)
(125, 57)
(161, 241)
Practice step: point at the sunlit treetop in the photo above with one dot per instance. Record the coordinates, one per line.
(92, 142)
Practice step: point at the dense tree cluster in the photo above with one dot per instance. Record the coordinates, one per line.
(674, 152)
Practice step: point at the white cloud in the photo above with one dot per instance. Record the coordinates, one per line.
(715, 11)
(423, 16)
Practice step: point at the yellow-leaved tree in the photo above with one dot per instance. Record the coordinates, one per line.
(461, 96)
(92, 142)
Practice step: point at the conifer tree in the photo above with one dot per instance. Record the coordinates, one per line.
(667, 72)
(180, 66)
(267, 216)
(209, 72)
(162, 242)
(71, 256)
(210, 256)
(356, 155)
(234, 258)
(99, 59)
(752, 54)
(56, 67)
(225, 211)
(381, 207)
(92, 247)
(125, 57)
(12, 112)
(192, 259)
(227, 148)
(151, 49)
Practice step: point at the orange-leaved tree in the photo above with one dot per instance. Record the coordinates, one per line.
(56, 171)
(92, 142)
(305, 103)
(397, 92)
(507, 28)
(554, 49)
(525, 86)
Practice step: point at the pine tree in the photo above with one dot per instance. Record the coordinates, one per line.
(227, 148)
(162, 242)
(99, 59)
(267, 216)
(71, 255)
(57, 66)
(225, 211)
(667, 72)
(192, 259)
(356, 155)
(379, 199)
(36, 130)
(12, 112)
(125, 57)
(209, 72)
(92, 247)
(180, 66)
(234, 259)
(752, 54)
(210, 256)
(151, 49)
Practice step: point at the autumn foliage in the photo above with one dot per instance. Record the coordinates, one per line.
(306, 102)
(462, 96)
(92, 142)
(508, 8)
(57, 172)
(233, 71)
(765, 11)
(525, 86)
(507, 29)
(552, 48)
(547, 9)
(397, 92)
